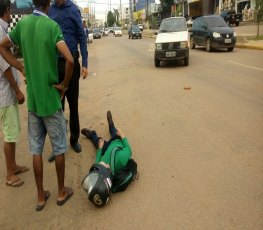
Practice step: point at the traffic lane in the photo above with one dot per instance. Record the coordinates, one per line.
(203, 142)
(216, 73)
(236, 75)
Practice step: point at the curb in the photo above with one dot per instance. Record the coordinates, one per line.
(248, 46)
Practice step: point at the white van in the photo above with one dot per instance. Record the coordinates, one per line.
(172, 41)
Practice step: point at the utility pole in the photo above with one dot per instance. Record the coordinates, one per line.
(147, 5)
(120, 14)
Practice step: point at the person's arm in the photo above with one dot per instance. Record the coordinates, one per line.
(82, 42)
(98, 155)
(10, 78)
(63, 49)
(10, 58)
(126, 152)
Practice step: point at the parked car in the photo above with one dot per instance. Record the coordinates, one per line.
(172, 41)
(117, 31)
(90, 35)
(96, 33)
(231, 17)
(140, 26)
(110, 29)
(134, 31)
(212, 32)
(106, 31)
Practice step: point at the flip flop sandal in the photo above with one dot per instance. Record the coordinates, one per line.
(22, 169)
(40, 207)
(61, 202)
(16, 183)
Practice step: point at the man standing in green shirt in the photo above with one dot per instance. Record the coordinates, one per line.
(40, 39)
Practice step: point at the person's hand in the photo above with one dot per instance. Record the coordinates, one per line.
(84, 72)
(61, 88)
(20, 97)
(100, 143)
(120, 133)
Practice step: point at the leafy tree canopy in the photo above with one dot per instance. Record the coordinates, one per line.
(110, 19)
(166, 5)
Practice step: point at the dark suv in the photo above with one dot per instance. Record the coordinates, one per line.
(134, 31)
(212, 32)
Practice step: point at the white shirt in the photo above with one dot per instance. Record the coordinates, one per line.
(7, 94)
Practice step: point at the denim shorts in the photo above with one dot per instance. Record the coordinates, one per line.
(10, 122)
(54, 126)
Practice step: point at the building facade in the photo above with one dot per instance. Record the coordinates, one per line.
(192, 8)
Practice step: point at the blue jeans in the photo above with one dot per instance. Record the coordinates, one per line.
(95, 139)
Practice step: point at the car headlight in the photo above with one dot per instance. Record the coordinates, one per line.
(184, 44)
(158, 46)
(234, 34)
(216, 35)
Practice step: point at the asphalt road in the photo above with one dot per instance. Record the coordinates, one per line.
(196, 133)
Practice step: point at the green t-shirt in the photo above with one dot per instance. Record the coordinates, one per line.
(121, 157)
(37, 37)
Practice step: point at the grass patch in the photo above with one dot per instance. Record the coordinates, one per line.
(260, 37)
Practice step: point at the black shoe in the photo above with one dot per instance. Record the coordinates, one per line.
(109, 118)
(76, 147)
(51, 157)
(86, 132)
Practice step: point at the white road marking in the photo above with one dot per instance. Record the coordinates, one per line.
(248, 66)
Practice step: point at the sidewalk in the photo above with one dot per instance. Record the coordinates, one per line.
(250, 44)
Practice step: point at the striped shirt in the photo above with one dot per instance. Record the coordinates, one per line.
(7, 94)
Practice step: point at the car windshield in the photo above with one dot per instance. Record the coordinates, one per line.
(135, 28)
(215, 22)
(173, 25)
(117, 28)
(96, 30)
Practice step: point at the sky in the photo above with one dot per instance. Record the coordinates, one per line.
(102, 7)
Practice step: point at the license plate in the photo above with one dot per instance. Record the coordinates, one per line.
(171, 54)
(227, 40)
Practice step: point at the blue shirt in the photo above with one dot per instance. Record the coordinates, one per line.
(69, 19)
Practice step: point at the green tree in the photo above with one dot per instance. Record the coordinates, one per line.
(259, 13)
(117, 15)
(166, 7)
(110, 19)
(154, 22)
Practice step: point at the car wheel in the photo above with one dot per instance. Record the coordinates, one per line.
(156, 62)
(129, 37)
(140, 37)
(192, 45)
(208, 45)
(230, 49)
(237, 24)
(186, 61)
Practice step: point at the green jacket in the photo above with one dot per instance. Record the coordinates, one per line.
(121, 156)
